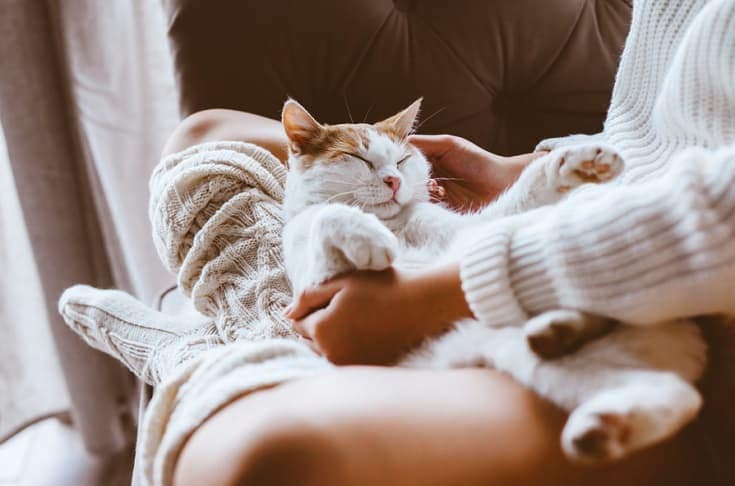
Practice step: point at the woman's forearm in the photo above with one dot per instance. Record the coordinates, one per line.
(439, 292)
(642, 253)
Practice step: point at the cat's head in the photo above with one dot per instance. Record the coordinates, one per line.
(368, 166)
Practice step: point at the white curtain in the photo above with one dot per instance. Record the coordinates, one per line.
(113, 91)
(31, 385)
(124, 92)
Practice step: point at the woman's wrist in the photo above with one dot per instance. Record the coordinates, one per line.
(510, 168)
(438, 291)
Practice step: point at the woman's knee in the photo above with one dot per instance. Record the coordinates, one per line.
(195, 128)
(267, 451)
(231, 125)
(291, 453)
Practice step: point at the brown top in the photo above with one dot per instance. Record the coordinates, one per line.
(503, 74)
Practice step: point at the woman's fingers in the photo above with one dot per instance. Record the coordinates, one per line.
(311, 299)
(434, 147)
(307, 325)
(436, 191)
(313, 346)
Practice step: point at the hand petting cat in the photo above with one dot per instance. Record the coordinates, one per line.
(465, 176)
(389, 312)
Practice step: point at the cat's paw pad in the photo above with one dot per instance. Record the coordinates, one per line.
(581, 164)
(364, 242)
(598, 437)
(557, 333)
(554, 334)
(375, 251)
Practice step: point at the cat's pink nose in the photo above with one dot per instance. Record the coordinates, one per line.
(393, 182)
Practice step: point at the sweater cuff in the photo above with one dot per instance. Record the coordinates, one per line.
(505, 276)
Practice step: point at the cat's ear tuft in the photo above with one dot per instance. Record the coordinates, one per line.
(299, 125)
(401, 124)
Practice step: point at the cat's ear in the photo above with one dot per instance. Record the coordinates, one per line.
(401, 124)
(299, 125)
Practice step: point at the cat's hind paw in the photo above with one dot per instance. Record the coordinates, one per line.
(597, 438)
(560, 332)
(652, 407)
(575, 165)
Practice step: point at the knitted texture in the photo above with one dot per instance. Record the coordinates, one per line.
(658, 242)
(148, 342)
(216, 216)
(205, 384)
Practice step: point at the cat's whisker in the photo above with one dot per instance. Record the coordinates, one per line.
(335, 196)
(342, 182)
(429, 117)
(364, 119)
(358, 204)
(347, 105)
(419, 184)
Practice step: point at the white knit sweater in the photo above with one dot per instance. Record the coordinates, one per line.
(659, 243)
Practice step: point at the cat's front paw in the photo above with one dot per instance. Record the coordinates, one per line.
(356, 240)
(368, 245)
(571, 166)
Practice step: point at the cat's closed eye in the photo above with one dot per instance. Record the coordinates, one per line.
(408, 156)
(369, 164)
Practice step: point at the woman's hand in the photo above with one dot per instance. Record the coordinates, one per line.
(468, 177)
(375, 317)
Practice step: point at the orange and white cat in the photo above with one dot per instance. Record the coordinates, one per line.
(357, 198)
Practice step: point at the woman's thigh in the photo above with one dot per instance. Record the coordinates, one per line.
(388, 426)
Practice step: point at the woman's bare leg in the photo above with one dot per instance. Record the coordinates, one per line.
(220, 124)
(388, 426)
(369, 426)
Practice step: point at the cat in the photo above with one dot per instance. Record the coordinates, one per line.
(357, 198)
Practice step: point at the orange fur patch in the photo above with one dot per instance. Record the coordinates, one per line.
(390, 129)
(333, 141)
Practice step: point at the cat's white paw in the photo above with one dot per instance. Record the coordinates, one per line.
(353, 240)
(571, 166)
(368, 245)
(619, 421)
(597, 437)
(554, 143)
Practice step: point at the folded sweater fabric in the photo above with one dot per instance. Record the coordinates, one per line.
(659, 241)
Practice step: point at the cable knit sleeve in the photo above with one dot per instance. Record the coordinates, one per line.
(215, 210)
(641, 253)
